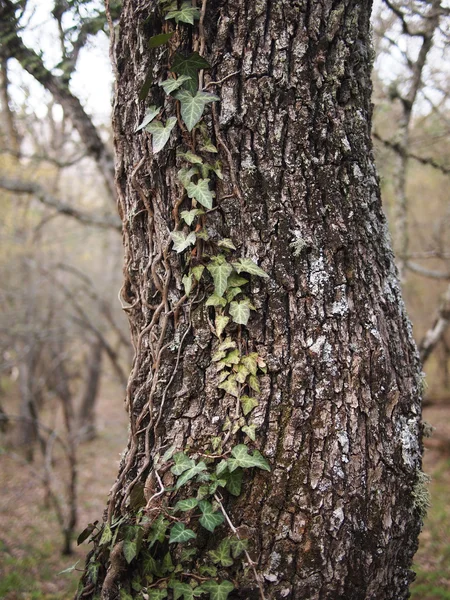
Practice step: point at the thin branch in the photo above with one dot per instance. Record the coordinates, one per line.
(30, 187)
(427, 272)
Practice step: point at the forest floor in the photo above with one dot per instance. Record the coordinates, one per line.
(30, 537)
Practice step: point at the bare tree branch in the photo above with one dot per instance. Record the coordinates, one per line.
(436, 332)
(427, 272)
(30, 187)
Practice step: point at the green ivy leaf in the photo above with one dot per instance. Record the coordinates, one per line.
(242, 458)
(197, 272)
(227, 344)
(234, 482)
(69, 569)
(187, 554)
(221, 322)
(186, 505)
(160, 133)
(215, 300)
(208, 146)
(238, 546)
(159, 40)
(201, 192)
(250, 430)
(190, 474)
(188, 216)
(182, 463)
(179, 534)
(250, 361)
(167, 564)
(236, 280)
(191, 157)
(145, 88)
(186, 14)
(86, 532)
(106, 535)
(217, 168)
(248, 404)
(254, 383)
(93, 568)
(192, 106)
(240, 312)
(129, 550)
(156, 594)
(220, 271)
(187, 283)
(210, 519)
(208, 570)
(221, 467)
(151, 113)
(227, 243)
(182, 590)
(247, 265)
(230, 386)
(221, 555)
(190, 65)
(171, 85)
(181, 241)
(218, 591)
(185, 175)
(158, 530)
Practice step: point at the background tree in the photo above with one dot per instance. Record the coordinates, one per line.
(327, 355)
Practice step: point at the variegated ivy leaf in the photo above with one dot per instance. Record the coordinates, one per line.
(222, 375)
(238, 546)
(227, 344)
(182, 463)
(220, 271)
(231, 293)
(227, 243)
(180, 534)
(201, 192)
(188, 216)
(151, 113)
(236, 280)
(254, 383)
(220, 323)
(210, 519)
(240, 457)
(240, 312)
(185, 505)
(215, 300)
(248, 404)
(187, 282)
(217, 168)
(160, 133)
(191, 157)
(171, 85)
(241, 374)
(186, 14)
(190, 474)
(222, 554)
(208, 146)
(247, 265)
(251, 362)
(192, 106)
(185, 175)
(181, 241)
(232, 358)
(250, 430)
(234, 482)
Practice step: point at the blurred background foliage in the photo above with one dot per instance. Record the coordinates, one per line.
(64, 345)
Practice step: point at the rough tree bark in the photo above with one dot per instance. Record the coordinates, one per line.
(339, 409)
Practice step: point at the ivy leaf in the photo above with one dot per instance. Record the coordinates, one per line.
(221, 322)
(159, 40)
(250, 430)
(215, 300)
(171, 85)
(201, 192)
(217, 168)
(182, 590)
(192, 106)
(208, 146)
(86, 532)
(236, 280)
(186, 14)
(190, 156)
(190, 473)
(220, 271)
(69, 569)
(129, 550)
(157, 594)
(151, 113)
(242, 458)
(232, 358)
(186, 505)
(238, 547)
(167, 564)
(181, 241)
(187, 554)
(247, 265)
(254, 383)
(179, 534)
(230, 386)
(145, 87)
(182, 463)
(106, 535)
(227, 344)
(160, 133)
(190, 65)
(227, 243)
(248, 404)
(188, 216)
(221, 467)
(210, 519)
(185, 175)
(197, 272)
(207, 570)
(234, 482)
(187, 282)
(241, 374)
(250, 361)
(221, 555)
(240, 312)
(218, 591)
(158, 530)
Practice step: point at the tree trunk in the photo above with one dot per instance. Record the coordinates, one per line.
(86, 414)
(338, 414)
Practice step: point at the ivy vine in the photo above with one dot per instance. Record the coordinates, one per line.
(161, 530)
